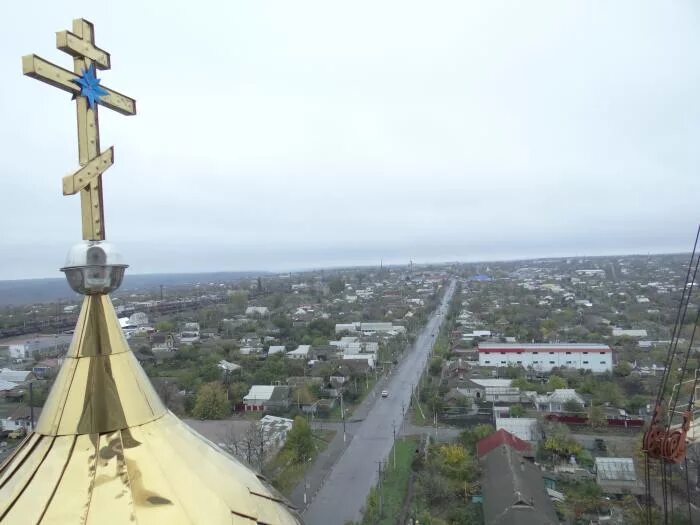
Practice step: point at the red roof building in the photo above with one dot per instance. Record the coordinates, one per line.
(502, 437)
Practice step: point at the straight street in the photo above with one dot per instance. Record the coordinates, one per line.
(344, 491)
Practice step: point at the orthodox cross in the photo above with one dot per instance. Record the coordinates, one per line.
(85, 87)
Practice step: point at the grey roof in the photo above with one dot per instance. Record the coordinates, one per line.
(15, 376)
(280, 393)
(513, 491)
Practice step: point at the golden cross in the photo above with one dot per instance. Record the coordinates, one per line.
(80, 44)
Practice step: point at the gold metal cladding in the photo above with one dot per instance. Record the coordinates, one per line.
(160, 472)
(97, 331)
(80, 44)
(101, 387)
(87, 174)
(77, 47)
(40, 69)
(106, 451)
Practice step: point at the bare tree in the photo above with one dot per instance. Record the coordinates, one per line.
(252, 446)
(169, 395)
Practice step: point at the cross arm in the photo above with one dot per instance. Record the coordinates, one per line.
(80, 179)
(36, 67)
(78, 47)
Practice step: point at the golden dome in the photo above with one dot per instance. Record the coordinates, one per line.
(107, 451)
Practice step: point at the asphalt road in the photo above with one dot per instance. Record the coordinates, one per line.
(345, 490)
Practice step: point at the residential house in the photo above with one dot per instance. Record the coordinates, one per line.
(513, 490)
(555, 401)
(300, 352)
(368, 358)
(500, 438)
(493, 390)
(276, 349)
(20, 418)
(266, 397)
(162, 342)
(524, 428)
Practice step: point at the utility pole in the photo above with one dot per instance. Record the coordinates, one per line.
(435, 420)
(31, 404)
(379, 484)
(305, 482)
(342, 415)
(393, 426)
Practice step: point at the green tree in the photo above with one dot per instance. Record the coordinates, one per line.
(623, 369)
(581, 498)
(238, 302)
(559, 441)
(596, 416)
(211, 402)
(237, 391)
(336, 285)
(165, 326)
(471, 436)
(517, 410)
(555, 382)
(300, 441)
(572, 406)
(435, 366)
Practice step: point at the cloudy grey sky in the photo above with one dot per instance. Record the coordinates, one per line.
(282, 135)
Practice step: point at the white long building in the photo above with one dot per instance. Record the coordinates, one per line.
(546, 356)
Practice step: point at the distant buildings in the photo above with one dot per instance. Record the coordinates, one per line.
(227, 367)
(546, 356)
(257, 310)
(369, 328)
(190, 333)
(42, 345)
(620, 332)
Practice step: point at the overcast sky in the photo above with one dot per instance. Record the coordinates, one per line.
(282, 135)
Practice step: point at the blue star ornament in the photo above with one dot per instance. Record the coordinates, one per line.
(90, 86)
